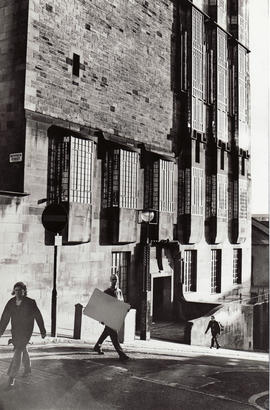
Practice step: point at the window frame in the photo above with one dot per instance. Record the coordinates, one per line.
(120, 264)
(237, 266)
(70, 168)
(120, 178)
(216, 258)
(190, 271)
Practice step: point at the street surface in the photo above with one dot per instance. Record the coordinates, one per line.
(75, 378)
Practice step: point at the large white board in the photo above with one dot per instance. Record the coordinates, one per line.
(106, 309)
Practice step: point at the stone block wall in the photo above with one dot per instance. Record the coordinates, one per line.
(24, 254)
(237, 323)
(123, 84)
(13, 30)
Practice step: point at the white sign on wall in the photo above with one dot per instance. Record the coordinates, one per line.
(16, 157)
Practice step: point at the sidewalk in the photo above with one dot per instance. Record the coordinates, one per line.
(153, 346)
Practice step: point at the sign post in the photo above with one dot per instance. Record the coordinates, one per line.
(146, 217)
(54, 219)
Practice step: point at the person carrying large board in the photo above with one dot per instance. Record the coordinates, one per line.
(115, 292)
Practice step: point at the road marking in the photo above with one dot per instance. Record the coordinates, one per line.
(183, 387)
(252, 400)
(207, 384)
(122, 369)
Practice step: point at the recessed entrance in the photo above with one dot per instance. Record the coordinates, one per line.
(162, 298)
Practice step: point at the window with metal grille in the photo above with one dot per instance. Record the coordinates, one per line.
(158, 187)
(222, 86)
(242, 99)
(243, 21)
(190, 271)
(197, 191)
(243, 200)
(222, 196)
(120, 179)
(198, 108)
(70, 169)
(222, 13)
(215, 270)
(120, 266)
(184, 60)
(237, 266)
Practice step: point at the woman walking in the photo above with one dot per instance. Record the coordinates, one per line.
(22, 311)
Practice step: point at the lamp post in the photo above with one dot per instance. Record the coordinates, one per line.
(146, 217)
(54, 219)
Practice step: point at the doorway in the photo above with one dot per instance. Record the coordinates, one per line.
(162, 304)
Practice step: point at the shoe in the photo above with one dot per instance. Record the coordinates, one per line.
(26, 373)
(11, 382)
(218, 347)
(123, 357)
(98, 349)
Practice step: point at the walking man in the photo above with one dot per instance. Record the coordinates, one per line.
(215, 330)
(115, 292)
(22, 311)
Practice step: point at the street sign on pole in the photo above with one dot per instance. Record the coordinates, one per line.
(54, 218)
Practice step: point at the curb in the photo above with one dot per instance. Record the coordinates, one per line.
(152, 346)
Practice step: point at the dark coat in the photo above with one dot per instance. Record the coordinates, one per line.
(214, 326)
(116, 293)
(22, 320)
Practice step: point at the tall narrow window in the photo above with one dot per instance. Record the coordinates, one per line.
(215, 271)
(237, 266)
(222, 86)
(197, 151)
(190, 271)
(120, 179)
(242, 99)
(197, 191)
(243, 200)
(222, 196)
(120, 266)
(243, 170)
(76, 65)
(158, 186)
(222, 152)
(198, 108)
(243, 21)
(184, 60)
(70, 169)
(222, 13)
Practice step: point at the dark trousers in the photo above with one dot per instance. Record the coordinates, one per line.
(214, 339)
(114, 338)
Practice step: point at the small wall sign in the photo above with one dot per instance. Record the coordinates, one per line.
(16, 157)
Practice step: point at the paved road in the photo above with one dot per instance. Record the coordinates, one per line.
(75, 378)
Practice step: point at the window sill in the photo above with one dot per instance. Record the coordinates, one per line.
(13, 193)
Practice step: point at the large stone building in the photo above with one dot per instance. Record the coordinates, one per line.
(112, 106)
(260, 281)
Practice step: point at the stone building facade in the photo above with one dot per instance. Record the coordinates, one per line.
(109, 107)
(260, 280)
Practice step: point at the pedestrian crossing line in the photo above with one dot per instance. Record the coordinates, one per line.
(186, 388)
